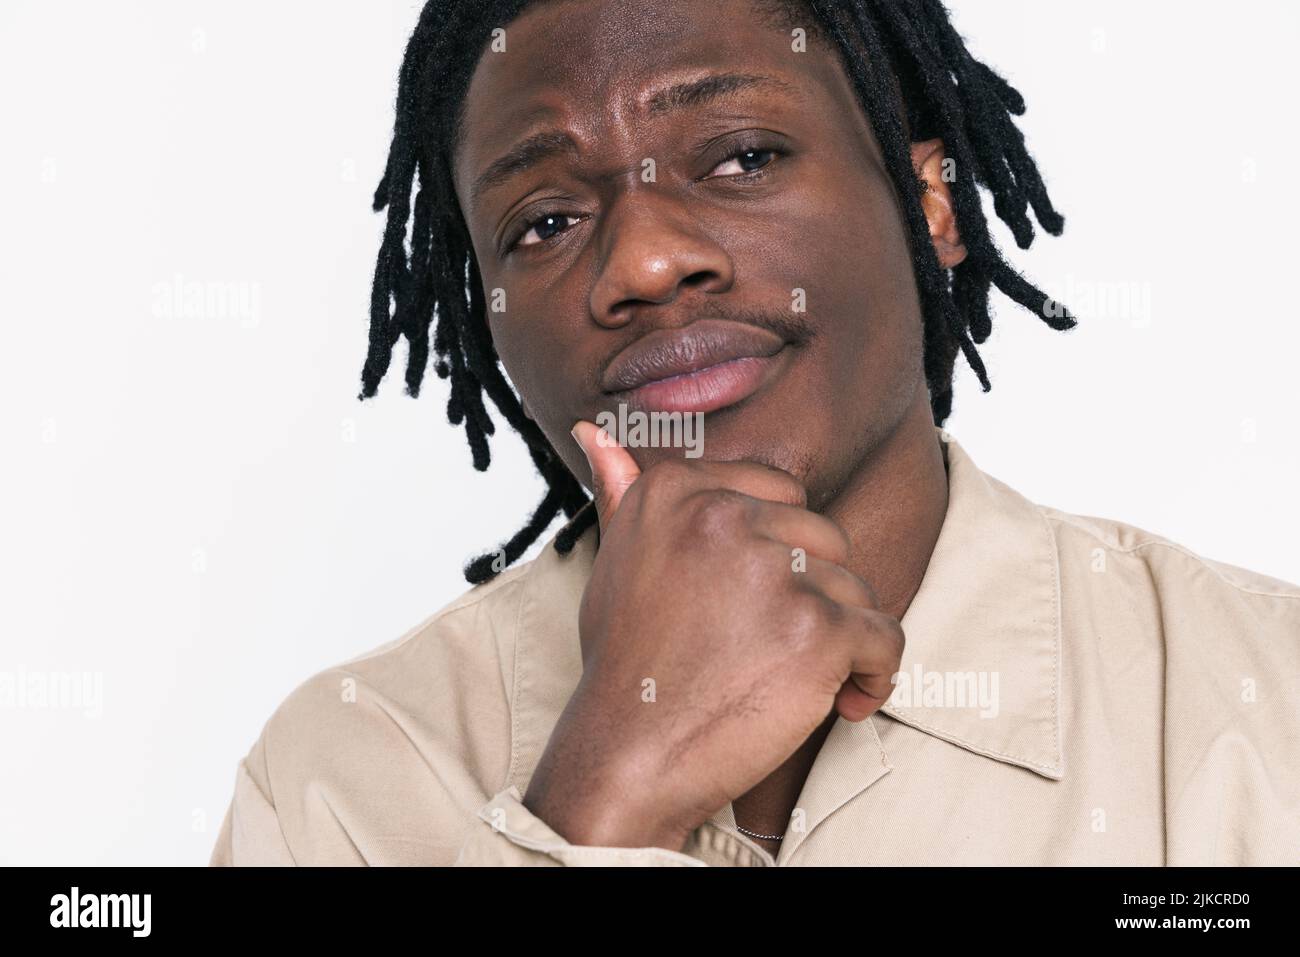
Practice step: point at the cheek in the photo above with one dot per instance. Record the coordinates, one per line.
(846, 246)
(841, 239)
(522, 333)
(544, 366)
(876, 331)
(525, 359)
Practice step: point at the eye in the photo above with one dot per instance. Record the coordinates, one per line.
(744, 162)
(544, 228)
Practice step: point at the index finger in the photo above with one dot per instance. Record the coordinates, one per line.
(755, 479)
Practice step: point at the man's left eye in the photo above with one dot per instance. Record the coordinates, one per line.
(750, 161)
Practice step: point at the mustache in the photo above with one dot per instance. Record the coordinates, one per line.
(793, 328)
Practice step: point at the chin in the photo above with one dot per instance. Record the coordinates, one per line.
(766, 449)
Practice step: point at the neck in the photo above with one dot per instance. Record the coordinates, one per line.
(893, 508)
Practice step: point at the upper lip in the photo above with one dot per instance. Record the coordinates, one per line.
(665, 353)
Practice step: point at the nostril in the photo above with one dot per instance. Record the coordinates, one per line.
(700, 278)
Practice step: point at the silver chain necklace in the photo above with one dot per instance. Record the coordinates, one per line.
(765, 837)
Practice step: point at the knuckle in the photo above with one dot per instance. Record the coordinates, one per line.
(717, 512)
(812, 615)
(767, 565)
(886, 634)
(663, 481)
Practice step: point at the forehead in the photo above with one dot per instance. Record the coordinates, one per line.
(596, 67)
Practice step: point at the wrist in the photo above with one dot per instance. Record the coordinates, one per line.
(603, 813)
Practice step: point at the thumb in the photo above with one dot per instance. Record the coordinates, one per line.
(613, 469)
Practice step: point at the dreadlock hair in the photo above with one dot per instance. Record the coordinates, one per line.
(891, 50)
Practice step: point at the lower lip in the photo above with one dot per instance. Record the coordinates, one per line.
(708, 389)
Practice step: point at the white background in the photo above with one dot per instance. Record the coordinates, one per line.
(199, 509)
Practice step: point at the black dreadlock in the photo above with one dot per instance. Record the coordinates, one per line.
(890, 49)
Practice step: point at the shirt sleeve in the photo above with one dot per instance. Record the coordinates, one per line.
(1232, 733)
(251, 835)
(507, 834)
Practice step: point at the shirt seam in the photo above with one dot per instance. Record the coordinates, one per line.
(1058, 639)
(1174, 546)
(1058, 765)
(343, 667)
(514, 696)
(270, 797)
(1164, 716)
(558, 851)
(1018, 760)
(464, 603)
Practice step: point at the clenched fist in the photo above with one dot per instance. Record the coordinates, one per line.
(719, 629)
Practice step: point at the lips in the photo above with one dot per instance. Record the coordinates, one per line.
(665, 353)
(698, 368)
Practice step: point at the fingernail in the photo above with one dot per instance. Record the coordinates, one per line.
(574, 432)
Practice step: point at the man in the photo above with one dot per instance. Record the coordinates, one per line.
(830, 638)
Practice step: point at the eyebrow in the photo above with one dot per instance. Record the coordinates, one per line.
(691, 93)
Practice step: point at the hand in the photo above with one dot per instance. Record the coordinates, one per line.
(708, 658)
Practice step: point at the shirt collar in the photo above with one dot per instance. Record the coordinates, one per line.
(986, 617)
(988, 610)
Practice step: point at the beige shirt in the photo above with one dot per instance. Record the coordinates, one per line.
(1073, 691)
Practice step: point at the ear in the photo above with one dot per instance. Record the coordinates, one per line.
(936, 201)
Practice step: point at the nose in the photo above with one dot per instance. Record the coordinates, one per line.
(653, 250)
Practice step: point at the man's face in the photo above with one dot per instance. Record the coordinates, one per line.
(715, 206)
